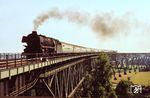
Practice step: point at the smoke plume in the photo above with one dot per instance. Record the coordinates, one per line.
(105, 25)
(45, 16)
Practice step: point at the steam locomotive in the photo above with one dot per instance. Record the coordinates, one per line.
(47, 45)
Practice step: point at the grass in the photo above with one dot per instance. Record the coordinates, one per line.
(141, 78)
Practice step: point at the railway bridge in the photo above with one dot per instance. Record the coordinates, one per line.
(55, 75)
(128, 59)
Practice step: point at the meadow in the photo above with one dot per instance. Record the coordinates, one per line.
(140, 78)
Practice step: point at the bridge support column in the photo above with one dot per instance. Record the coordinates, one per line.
(33, 92)
(2, 88)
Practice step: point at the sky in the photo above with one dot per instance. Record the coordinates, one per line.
(17, 19)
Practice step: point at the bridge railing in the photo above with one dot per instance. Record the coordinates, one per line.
(13, 60)
(4, 56)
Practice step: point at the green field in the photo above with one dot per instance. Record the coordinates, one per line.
(142, 78)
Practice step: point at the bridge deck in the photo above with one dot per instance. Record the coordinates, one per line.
(27, 67)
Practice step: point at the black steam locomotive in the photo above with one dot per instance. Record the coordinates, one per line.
(40, 44)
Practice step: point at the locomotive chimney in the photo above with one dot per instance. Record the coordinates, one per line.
(34, 32)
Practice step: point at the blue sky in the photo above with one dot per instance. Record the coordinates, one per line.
(16, 20)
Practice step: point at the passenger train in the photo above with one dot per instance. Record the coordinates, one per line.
(37, 43)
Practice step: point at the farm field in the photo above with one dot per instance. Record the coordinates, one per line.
(141, 78)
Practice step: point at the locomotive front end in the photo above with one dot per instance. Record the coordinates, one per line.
(32, 43)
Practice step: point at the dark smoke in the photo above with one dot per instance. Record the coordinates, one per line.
(77, 17)
(106, 25)
(71, 16)
(44, 17)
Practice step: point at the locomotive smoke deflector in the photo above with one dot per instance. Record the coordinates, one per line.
(24, 38)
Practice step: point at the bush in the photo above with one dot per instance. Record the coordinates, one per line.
(122, 89)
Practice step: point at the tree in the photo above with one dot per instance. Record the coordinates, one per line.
(103, 75)
(98, 84)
